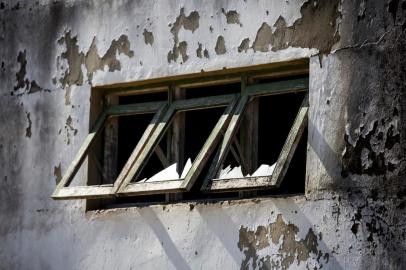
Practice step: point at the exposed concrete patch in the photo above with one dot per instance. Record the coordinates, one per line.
(304, 32)
(190, 23)
(28, 129)
(91, 60)
(220, 46)
(94, 62)
(148, 37)
(57, 173)
(245, 45)
(232, 16)
(75, 59)
(284, 237)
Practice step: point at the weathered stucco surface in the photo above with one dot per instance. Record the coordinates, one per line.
(352, 216)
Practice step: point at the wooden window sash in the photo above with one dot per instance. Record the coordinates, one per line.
(129, 189)
(63, 191)
(212, 184)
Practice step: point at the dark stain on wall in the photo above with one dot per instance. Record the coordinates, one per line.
(57, 173)
(191, 23)
(200, 52)
(367, 154)
(28, 129)
(148, 37)
(22, 83)
(317, 28)
(220, 46)
(91, 60)
(232, 16)
(282, 235)
(69, 128)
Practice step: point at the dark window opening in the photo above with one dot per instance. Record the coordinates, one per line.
(275, 115)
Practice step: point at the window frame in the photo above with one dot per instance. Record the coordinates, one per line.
(64, 191)
(181, 185)
(227, 124)
(212, 184)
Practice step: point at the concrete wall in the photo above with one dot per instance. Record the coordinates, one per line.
(352, 216)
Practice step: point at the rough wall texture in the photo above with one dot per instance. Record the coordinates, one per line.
(352, 216)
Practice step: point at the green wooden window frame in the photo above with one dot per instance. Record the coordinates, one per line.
(221, 137)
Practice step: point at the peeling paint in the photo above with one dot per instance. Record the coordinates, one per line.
(191, 23)
(200, 52)
(304, 32)
(245, 45)
(367, 154)
(148, 37)
(92, 61)
(284, 237)
(232, 17)
(220, 46)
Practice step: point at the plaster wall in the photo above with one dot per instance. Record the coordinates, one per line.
(352, 215)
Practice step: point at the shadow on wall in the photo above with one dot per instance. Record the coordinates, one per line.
(161, 233)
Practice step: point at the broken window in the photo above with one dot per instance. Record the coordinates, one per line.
(196, 137)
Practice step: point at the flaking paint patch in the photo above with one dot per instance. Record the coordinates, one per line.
(191, 23)
(220, 46)
(148, 37)
(366, 155)
(244, 46)
(200, 52)
(232, 16)
(317, 28)
(284, 237)
(91, 59)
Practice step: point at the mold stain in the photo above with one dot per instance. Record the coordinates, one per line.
(284, 237)
(304, 32)
(191, 23)
(220, 46)
(91, 59)
(148, 37)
